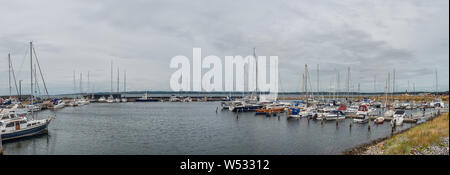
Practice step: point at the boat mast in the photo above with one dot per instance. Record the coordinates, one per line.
(9, 74)
(388, 84)
(74, 83)
(81, 83)
(31, 75)
(111, 76)
(306, 84)
(256, 73)
(436, 90)
(124, 81)
(118, 79)
(393, 84)
(318, 84)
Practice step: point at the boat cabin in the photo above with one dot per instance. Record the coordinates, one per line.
(363, 108)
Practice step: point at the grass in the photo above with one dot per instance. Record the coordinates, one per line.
(420, 136)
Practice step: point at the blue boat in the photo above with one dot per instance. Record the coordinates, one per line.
(20, 127)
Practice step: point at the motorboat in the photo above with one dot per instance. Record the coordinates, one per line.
(437, 103)
(19, 127)
(110, 99)
(102, 99)
(307, 112)
(174, 98)
(361, 118)
(365, 110)
(269, 110)
(145, 98)
(397, 120)
(335, 115)
(225, 105)
(59, 104)
(187, 99)
(294, 112)
(379, 120)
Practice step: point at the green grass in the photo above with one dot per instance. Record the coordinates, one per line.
(421, 136)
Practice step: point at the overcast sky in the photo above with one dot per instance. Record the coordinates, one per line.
(370, 37)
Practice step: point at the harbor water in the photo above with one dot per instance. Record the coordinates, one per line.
(189, 128)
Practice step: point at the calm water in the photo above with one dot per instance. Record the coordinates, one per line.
(189, 128)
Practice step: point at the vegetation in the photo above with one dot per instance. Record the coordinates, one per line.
(421, 136)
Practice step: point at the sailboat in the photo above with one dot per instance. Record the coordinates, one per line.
(389, 110)
(15, 127)
(124, 86)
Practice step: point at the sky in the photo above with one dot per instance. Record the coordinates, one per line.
(371, 38)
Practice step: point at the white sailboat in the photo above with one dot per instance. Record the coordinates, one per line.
(18, 126)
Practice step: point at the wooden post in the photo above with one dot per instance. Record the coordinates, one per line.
(1, 147)
(368, 125)
(237, 114)
(217, 108)
(278, 114)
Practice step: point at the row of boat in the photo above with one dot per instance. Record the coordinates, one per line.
(359, 111)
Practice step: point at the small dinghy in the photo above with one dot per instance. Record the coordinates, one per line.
(379, 120)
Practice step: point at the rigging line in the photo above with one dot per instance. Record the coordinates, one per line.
(36, 82)
(14, 76)
(40, 71)
(21, 64)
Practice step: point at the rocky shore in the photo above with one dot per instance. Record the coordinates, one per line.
(441, 148)
(430, 138)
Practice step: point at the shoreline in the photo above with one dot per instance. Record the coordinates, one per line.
(363, 149)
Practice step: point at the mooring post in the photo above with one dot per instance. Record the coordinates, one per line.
(217, 108)
(278, 114)
(368, 125)
(237, 114)
(1, 147)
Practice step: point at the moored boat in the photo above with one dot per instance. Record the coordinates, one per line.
(361, 118)
(20, 127)
(399, 115)
(379, 120)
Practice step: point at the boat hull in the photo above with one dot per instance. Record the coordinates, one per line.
(41, 129)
